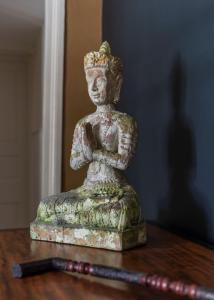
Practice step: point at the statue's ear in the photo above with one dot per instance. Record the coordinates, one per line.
(118, 85)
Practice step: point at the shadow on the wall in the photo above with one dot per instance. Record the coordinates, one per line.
(182, 211)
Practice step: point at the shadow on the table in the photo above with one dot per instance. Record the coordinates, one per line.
(109, 289)
(45, 249)
(183, 210)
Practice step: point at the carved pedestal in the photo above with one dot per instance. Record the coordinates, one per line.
(97, 238)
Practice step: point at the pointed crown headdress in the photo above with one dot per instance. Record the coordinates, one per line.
(104, 59)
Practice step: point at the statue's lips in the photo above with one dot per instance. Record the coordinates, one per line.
(96, 96)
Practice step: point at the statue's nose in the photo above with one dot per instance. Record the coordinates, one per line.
(94, 86)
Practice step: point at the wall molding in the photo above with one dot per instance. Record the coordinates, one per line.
(52, 97)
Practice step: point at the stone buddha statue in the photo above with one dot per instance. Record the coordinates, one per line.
(105, 211)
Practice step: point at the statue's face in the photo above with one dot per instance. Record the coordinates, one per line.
(99, 85)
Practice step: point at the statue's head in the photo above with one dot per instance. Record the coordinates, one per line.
(103, 75)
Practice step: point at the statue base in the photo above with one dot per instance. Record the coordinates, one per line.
(90, 237)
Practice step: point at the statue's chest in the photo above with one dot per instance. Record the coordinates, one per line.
(106, 132)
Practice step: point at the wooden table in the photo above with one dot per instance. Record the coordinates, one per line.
(165, 253)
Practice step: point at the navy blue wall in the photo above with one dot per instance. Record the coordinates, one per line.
(167, 48)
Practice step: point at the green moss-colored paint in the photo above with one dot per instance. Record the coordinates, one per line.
(108, 206)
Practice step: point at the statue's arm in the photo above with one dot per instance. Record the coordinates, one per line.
(126, 146)
(78, 157)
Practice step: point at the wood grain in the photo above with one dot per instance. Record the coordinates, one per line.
(165, 253)
(83, 33)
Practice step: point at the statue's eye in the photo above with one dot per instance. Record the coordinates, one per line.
(88, 79)
(100, 80)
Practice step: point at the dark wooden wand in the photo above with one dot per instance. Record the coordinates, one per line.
(155, 282)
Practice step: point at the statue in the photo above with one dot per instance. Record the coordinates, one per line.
(104, 212)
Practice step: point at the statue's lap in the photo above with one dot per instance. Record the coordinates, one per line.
(117, 209)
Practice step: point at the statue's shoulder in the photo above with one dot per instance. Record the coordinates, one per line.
(124, 120)
(85, 119)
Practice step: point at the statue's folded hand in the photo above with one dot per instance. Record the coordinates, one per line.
(114, 159)
(88, 141)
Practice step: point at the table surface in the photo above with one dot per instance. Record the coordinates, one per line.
(165, 253)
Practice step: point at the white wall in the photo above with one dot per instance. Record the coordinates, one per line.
(35, 125)
(20, 24)
(13, 141)
(21, 49)
(25, 32)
